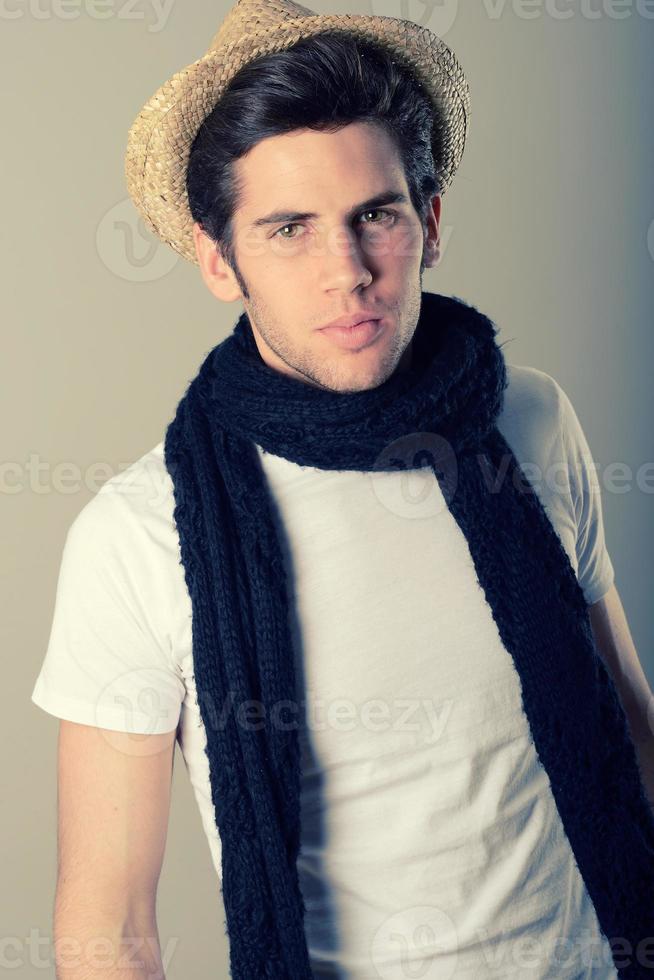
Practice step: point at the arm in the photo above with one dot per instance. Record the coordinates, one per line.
(113, 807)
(615, 645)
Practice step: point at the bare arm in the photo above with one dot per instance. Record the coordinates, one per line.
(113, 808)
(616, 647)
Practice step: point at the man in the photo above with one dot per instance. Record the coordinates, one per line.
(437, 832)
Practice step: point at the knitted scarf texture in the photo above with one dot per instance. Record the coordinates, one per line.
(446, 405)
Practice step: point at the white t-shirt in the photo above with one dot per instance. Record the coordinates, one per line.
(431, 842)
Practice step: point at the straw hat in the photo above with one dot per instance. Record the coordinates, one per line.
(160, 138)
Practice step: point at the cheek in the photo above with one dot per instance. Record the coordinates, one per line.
(400, 246)
(408, 245)
(274, 262)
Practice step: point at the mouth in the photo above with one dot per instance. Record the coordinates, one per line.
(355, 337)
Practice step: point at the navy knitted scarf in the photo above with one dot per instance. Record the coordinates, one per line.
(449, 397)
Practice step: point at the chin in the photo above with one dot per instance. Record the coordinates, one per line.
(363, 379)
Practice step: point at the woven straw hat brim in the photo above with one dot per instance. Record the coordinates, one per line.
(160, 138)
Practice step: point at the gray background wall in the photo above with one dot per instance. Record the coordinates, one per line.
(548, 228)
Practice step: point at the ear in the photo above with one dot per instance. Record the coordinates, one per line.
(217, 274)
(432, 252)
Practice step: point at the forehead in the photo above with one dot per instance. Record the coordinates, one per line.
(317, 171)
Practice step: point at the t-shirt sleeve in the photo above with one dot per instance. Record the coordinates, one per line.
(105, 665)
(595, 571)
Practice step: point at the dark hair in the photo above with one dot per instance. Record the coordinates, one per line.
(322, 82)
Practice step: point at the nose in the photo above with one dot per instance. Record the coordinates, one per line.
(345, 265)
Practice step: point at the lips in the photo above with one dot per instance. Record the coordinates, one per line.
(352, 319)
(355, 337)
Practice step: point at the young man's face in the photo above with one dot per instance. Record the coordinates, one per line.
(311, 248)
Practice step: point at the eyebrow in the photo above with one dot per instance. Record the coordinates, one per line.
(286, 217)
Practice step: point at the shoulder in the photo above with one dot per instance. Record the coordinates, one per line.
(124, 543)
(111, 658)
(136, 500)
(532, 391)
(532, 413)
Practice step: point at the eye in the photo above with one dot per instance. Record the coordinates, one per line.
(293, 225)
(383, 211)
